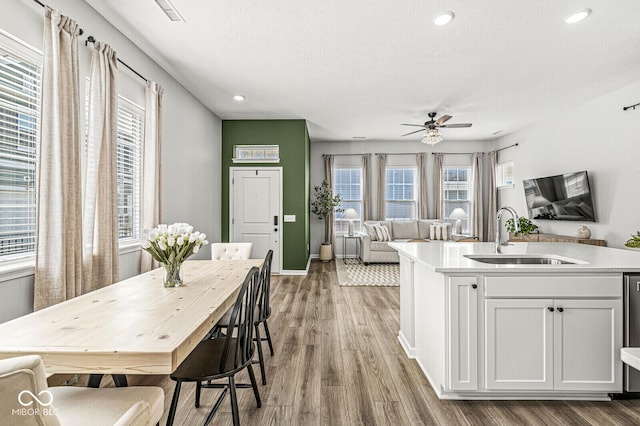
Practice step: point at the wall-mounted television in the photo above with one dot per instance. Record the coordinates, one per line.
(561, 197)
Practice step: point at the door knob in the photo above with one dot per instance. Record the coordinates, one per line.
(560, 309)
(275, 229)
(474, 285)
(550, 309)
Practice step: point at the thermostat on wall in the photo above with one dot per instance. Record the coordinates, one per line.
(289, 217)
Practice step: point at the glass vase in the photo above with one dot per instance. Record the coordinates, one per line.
(171, 275)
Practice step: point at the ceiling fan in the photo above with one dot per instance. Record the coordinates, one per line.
(432, 128)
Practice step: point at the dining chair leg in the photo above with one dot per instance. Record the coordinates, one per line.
(254, 385)
(260, 355)
(234, 401)
(198, 389)
(266, 330)
(174, 404)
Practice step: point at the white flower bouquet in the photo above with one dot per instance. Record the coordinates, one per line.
(171, 245)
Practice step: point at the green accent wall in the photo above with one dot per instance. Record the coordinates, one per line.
(293, 138)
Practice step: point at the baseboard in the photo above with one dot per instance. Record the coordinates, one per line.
(408, 349)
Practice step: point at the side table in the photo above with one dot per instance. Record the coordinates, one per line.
(358, 241)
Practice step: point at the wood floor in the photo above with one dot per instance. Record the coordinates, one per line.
(338, 362)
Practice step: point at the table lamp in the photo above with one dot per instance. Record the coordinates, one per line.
(350, 214)
(458, 214)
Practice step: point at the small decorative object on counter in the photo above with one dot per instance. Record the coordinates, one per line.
(583, 232)
(171, 245)
(634, 241)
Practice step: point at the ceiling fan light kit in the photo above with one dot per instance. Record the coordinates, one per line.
(432, 137)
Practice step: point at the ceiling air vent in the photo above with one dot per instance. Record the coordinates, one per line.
(170, 10)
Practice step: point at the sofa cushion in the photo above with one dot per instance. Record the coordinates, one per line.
(405, 229)
(381, 246)
(423, 228)
(382, 233)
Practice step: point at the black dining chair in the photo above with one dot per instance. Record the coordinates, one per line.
(224, 356)
(261, 314)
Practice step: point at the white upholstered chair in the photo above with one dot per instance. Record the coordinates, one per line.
(23, 379)
(227, 251)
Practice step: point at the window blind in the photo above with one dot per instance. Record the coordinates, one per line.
(20, 88)
(130, 143)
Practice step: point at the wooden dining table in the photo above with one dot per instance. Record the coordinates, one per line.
(135, 326)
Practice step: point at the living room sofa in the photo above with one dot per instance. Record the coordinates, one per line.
(400, 230)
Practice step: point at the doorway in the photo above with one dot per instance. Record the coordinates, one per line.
(255, 210)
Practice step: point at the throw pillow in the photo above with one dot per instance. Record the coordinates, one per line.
(369, 228)
(382, 233)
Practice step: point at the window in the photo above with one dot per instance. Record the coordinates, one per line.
(20, 90)
(457, 192)
(401, 193)
(130, 143)
(504, 175)
(348, 183)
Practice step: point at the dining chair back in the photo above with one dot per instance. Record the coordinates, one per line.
(27, 400)
(231, 251)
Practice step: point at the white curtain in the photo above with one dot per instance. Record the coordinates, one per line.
(476, 196)
(437, 185)
(58, 272)
(329, 229)
(421, 161)
(366, 187)
(100, 230)
(382, 183)
(151, 166)
(493, 195)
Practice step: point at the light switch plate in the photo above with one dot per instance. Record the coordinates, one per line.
(289, 217)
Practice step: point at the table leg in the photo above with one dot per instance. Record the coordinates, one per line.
(120, 380)
(344, 250)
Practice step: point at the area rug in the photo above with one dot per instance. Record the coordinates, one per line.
(374, 274)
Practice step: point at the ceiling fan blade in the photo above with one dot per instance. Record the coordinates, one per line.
(453, 126)
(417, 125)
(442, 120)
(410, 133)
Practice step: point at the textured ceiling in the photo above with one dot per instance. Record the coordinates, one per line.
(361, 67)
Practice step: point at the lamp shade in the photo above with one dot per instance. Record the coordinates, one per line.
(458, 213)
(350, 214)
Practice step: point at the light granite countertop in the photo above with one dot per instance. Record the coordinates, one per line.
(450, 257)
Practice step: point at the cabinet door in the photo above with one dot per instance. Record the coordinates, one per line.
(463, 333)
(518, 344)
(587, 342)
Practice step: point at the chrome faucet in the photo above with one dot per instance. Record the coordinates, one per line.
(516, 222)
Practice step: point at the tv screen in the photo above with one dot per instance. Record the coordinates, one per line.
(561, 197)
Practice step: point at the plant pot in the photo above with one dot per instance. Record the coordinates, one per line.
(326, 254)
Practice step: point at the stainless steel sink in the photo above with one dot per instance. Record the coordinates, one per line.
(520, 259)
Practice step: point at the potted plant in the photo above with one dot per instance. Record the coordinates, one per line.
(325, 204)
(526, 227)
(634, 241)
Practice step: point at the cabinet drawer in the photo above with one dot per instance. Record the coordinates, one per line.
(553, 286)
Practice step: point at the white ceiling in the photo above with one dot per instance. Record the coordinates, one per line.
(361, 67)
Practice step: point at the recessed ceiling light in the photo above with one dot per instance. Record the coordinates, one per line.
(359, 137)
(578, 16)
(238, 98)
(443, 18)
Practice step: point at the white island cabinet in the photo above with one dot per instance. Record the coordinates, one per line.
(510, 331)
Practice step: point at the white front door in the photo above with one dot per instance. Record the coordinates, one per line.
(255, 211)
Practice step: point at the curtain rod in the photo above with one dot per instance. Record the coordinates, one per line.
(90, 39)
(343, 155)
(415, 153)
(507, 147)
(80, 31)
(630, 106)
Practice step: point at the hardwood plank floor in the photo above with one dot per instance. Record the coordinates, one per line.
(338, 362)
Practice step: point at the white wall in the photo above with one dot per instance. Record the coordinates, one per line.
(191, 144)
(364, 147)
(598, 137)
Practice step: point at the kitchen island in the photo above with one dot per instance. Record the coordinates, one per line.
(540, 321)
